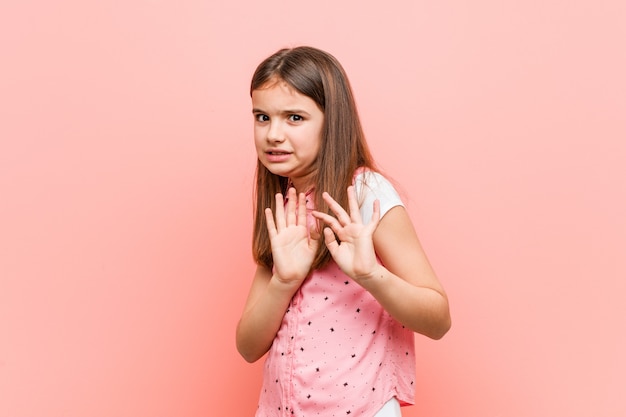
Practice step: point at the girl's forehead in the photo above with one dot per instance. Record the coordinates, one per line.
(278, 83)
(279, 90)
(278, 95)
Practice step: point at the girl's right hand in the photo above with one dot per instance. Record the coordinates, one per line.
(293, 245)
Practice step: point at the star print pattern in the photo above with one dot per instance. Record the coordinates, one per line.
(338, 352)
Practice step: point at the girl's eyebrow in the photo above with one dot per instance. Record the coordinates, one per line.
(286, 111)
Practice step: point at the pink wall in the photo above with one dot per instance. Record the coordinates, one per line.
(126, 165)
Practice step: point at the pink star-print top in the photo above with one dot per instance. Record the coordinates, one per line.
(338, 352)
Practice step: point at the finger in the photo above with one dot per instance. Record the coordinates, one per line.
(314, 233)
(269, 220)
(291, 206)
(302, 209)
(353, 204)
(373, 224)
(280, 212)
(330, 241)
(328, 219)
(336, 208)
(314, 238)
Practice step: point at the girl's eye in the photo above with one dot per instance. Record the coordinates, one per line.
(261, 117)
(295, 118)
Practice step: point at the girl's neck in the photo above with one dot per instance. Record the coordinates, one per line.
(302, 186)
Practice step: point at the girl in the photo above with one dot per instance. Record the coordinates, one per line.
(334, 309)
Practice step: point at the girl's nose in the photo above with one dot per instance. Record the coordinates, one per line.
(275, 133)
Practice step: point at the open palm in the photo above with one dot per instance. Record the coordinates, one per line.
(293, 245)
(354, 252)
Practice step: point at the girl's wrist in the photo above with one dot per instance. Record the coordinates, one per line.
(287, 286)
(375, 275)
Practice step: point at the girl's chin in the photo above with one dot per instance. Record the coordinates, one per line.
(276, 170)
(283, 171)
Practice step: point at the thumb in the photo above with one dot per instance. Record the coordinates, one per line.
(314, 237)
(330, 240)
(314, 233)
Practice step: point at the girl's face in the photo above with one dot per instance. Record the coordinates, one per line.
(287, 132)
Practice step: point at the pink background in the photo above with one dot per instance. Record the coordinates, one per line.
(126, 164)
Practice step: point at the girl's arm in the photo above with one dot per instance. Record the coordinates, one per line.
(405, 284)
(263, 313)
(293, 250)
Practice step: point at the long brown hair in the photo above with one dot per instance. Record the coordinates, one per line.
(319, 76)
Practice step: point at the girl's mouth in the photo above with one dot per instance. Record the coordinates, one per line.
(277, 156)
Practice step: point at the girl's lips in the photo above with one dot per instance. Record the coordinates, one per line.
(277, 156)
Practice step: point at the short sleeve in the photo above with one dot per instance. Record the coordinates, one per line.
(370, 186)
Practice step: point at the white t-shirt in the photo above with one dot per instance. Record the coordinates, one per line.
(370, 186)
(390, 409)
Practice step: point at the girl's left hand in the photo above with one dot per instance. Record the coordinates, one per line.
(354, 253)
